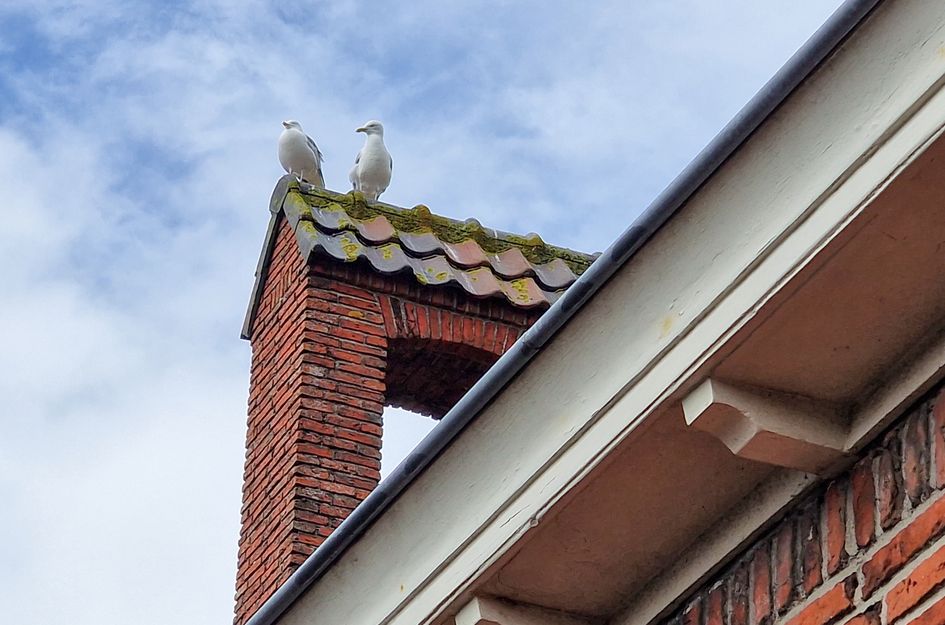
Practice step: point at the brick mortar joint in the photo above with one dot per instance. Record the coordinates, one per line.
(916, 611)
(879, 595)
(855, 564)
(460, 313)
(895, 481)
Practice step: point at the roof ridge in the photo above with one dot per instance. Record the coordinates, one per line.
(400, 251)
(525, 272)
(509, 264)
(420, 220)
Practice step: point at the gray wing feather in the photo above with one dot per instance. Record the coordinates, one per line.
(318, 158)
(314, 148)
(353, 174)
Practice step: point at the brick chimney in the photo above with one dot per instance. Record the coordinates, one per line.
(357, 307)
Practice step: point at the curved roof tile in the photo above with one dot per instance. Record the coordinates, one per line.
(524, 270)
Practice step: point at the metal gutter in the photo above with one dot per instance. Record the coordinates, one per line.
(762, 105)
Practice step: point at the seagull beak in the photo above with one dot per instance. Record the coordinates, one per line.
(285, 124)
(361, 129)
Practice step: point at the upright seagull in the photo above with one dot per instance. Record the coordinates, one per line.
(299, 155)
(371, 172)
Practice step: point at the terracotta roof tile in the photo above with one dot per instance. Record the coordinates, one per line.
(437, 250)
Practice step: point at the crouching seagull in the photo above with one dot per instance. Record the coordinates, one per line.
(371, 172)
(299, 155)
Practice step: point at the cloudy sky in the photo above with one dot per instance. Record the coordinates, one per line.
(137, 155)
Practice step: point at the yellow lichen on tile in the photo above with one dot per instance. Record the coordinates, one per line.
(521, 289)
(350, 247)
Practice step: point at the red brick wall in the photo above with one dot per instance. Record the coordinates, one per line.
(867, 549)
(333, 343)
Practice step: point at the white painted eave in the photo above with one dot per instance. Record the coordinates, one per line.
(654, 333)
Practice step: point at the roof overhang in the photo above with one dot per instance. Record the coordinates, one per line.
(764, 333)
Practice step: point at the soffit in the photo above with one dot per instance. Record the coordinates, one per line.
(844, 326)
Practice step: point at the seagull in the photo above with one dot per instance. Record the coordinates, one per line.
(371, 172)
(299, 155)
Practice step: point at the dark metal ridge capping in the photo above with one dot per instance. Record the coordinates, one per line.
(769, 98)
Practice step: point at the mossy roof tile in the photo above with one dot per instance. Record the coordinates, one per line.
(437, 250)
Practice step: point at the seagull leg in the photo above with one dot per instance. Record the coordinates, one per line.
(303, 185)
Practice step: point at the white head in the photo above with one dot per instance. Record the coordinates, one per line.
(291, 123)
(372, 127)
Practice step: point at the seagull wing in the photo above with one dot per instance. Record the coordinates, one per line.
(318, 158)
(314, 148)
(390, 170)
(353, 174)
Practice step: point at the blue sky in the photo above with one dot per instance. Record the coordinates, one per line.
(137, 155)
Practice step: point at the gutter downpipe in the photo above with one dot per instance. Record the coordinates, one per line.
(735, 133)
